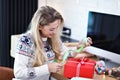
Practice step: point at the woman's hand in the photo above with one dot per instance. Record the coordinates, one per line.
(54, 67)
(88, 43)
(81, 43)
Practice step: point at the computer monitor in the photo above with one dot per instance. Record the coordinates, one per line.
(104, 29)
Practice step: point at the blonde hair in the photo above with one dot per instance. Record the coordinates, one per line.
(42, 17)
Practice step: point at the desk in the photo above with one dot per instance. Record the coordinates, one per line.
(59, 75)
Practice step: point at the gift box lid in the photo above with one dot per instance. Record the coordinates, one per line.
(76, 61)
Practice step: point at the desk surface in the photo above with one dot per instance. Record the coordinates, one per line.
(60, 76)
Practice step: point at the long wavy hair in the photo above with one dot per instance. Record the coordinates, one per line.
(43, 16)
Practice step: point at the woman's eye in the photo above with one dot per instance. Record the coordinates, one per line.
(52, 29)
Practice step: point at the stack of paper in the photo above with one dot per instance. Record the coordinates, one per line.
(80, 78)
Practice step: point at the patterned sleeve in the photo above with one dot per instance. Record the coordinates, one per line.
(25, 46)
(23, 65)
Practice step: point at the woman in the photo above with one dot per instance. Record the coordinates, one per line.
(39, 46)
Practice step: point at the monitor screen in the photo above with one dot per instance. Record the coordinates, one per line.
(104, 29)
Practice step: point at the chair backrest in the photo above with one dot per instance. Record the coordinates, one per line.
(14, 39)
(6, 73)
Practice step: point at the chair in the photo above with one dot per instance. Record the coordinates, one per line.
(14, 39)
(6, 73)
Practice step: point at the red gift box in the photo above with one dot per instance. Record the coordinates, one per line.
(79, 68)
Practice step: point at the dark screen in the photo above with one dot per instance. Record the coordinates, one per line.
(104, 29)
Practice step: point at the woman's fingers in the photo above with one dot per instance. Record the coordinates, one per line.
(54, 67)
(59, 67)
(89, 40)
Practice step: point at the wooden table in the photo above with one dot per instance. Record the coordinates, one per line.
(59, 75)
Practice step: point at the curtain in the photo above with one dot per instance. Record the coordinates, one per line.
(15, 16)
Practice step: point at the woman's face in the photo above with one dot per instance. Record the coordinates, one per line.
(50, 29)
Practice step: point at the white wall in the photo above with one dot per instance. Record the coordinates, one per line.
(75, 12)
